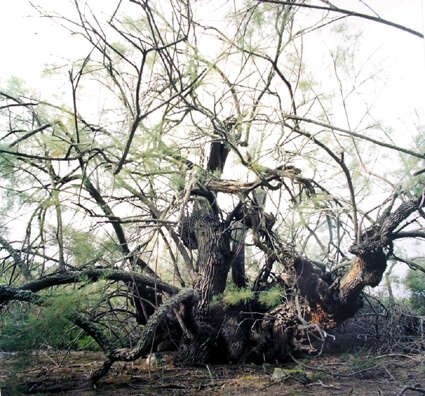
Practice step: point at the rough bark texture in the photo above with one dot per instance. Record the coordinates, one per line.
(213, 262)
(97, 274)
(145, 342)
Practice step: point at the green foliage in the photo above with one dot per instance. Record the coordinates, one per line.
(119, 47)
(25, 331)
(237, 296)
(272, 297)
(234, 296)
(415, 282)
(9, 179)
(136, 25)
(81, 245)
(87, 246)
(413, 184)
(22, 329)
(177, 181)
(15, 86)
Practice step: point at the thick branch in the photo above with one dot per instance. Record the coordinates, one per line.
(10, 293)
(148, 333)
(146, 338)
(94, 276)
(94, 331)
(235, 187)
(381, 234)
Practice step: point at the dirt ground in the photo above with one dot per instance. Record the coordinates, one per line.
(66, 373)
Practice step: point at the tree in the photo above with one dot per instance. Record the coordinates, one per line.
(213, 155)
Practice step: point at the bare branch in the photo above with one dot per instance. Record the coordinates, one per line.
(93, 276)
(346, 12)
(364, 137)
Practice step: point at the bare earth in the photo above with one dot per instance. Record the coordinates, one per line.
(66, 373)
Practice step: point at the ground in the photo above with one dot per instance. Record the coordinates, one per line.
(47, 373)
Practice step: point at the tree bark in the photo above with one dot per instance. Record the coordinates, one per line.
(213, 262)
